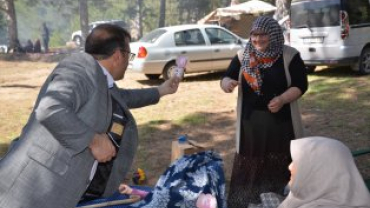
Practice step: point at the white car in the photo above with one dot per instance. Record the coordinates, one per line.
(77, 35)
(3, 48)
(208, 48)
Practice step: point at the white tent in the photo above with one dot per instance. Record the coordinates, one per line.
(238, 18)
(254, 7)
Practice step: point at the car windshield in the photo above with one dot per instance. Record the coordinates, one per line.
(309, 14)
(152, 36)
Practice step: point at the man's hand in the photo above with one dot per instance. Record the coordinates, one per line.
(102, 148)
(169, 86)
(228, 85)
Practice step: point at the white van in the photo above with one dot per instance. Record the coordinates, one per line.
(332, 32)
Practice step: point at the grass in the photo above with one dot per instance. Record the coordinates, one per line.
(336, 105)
(341, 99)
(193, 119)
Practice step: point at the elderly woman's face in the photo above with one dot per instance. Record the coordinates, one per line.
(260, 40)
(293, 171)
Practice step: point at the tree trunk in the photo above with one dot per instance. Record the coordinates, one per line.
(162, 14)
(11, 19)
(140, 12)
(84, 20)
(282, 9)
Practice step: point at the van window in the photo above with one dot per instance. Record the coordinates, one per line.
(358, 11)
(307, 14)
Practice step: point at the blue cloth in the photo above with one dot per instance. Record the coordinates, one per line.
(182, 183)
(116, 196)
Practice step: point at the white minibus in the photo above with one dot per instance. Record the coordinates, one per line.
(332, 33)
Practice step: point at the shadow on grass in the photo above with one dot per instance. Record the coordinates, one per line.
(3, 148)
(336, 72)
(215, 131)
(20, 86)
(55, 56)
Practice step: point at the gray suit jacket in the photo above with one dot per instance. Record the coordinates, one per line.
(50, 164)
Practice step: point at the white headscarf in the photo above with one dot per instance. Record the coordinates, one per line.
(326, 176)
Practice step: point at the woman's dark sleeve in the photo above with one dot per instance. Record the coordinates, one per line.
(298, 73)
(233, 69)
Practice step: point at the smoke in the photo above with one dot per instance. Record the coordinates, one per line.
(30, 19)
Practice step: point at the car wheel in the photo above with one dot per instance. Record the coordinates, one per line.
(310, 69)
(364, 62)
(152, 76)
(77, 40)
(168, 70)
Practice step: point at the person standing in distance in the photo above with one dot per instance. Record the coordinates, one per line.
(71, 127)
(45, 35)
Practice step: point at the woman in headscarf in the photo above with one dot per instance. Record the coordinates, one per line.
(271, 77)
(323, 175)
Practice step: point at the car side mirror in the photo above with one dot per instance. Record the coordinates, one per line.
(239, 42)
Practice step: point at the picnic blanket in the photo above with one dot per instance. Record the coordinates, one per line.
(181, 184)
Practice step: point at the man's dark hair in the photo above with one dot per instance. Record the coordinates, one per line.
(105, 39)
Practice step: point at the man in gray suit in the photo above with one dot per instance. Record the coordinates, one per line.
(81, 120)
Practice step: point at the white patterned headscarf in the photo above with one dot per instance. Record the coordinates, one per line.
(326, 176)
(254, 60)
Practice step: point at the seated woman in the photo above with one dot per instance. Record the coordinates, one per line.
(323, 174)
(192, 181)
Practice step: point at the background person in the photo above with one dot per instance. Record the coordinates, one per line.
(45, 36)
(264, 124)
(29, 46)
(37, 46)
(66, 136)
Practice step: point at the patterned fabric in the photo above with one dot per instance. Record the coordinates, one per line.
(269, 200)
(254, 60)
(182, 183)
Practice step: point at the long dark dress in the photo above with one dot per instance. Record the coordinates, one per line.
(262, 162)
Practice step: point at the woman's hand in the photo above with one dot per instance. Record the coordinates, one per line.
(228, 85)
(276, 104)
(292, 94)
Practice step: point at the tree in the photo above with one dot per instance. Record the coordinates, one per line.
(162, 14)
(7, 6)
(282, 8)
(84, 19)
(140, 17)
(191, 11)
(3, 30)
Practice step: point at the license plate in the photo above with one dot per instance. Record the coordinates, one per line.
(313, 40)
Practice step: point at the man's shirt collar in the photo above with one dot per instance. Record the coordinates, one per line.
(110, 79)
